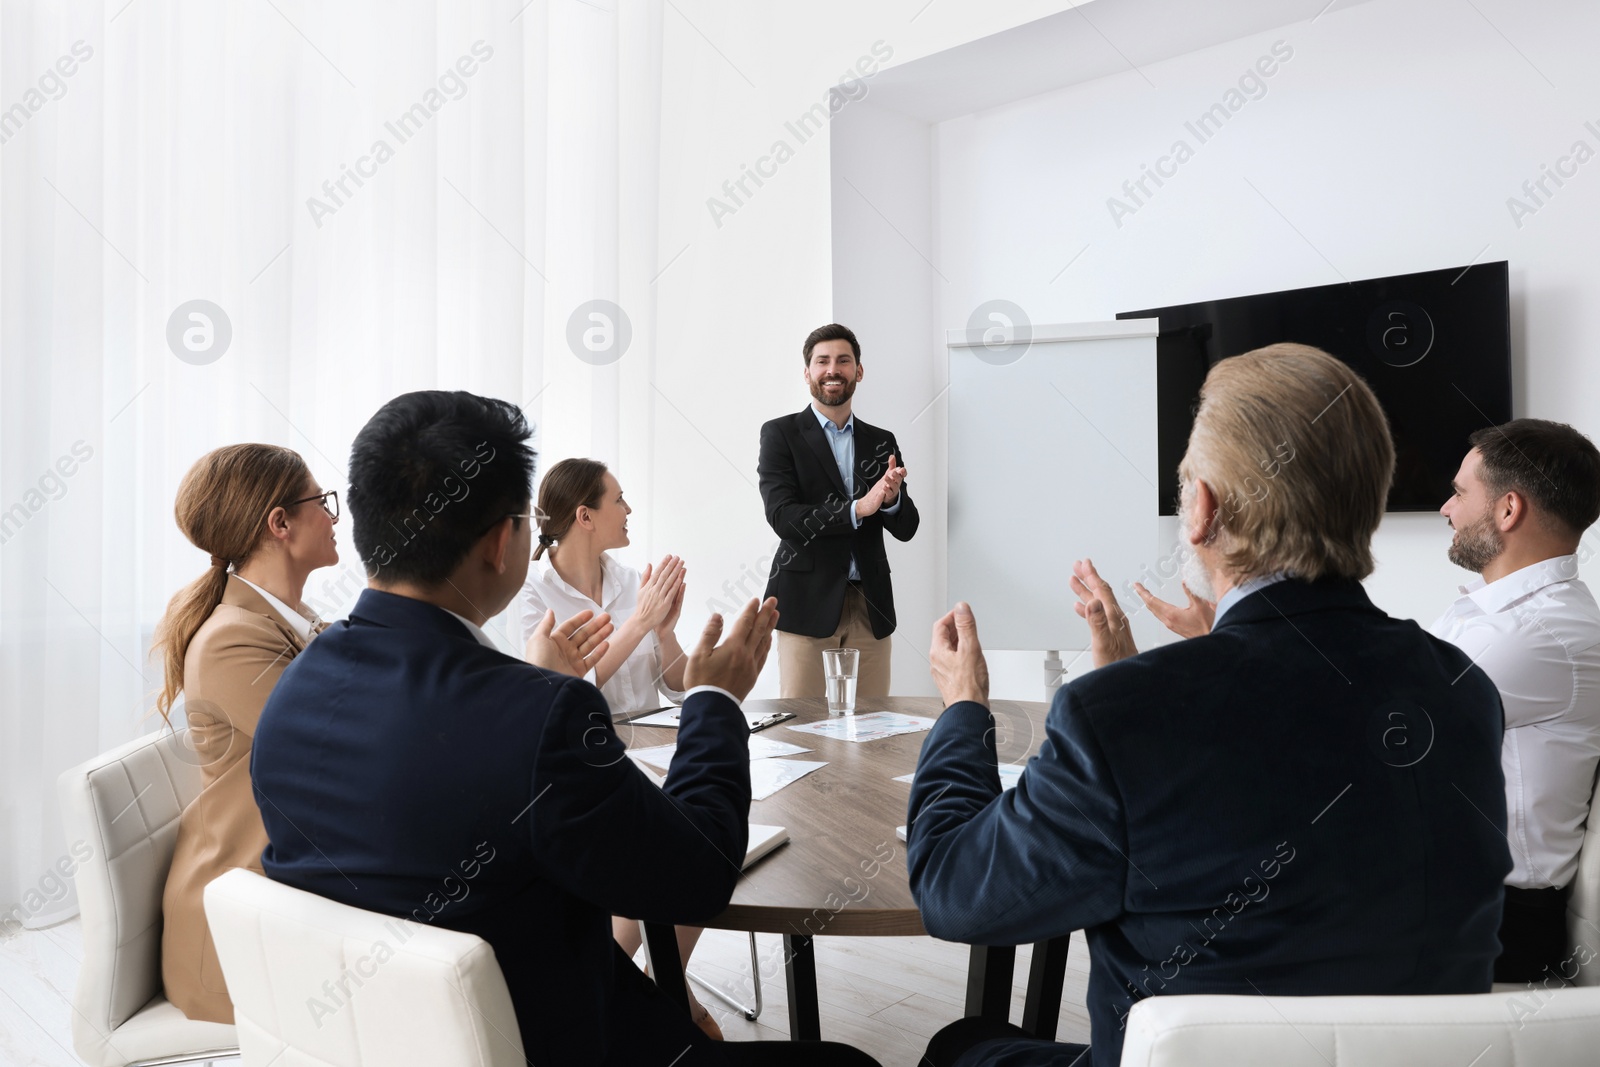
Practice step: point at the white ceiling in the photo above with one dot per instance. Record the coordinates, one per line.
(1093, 40)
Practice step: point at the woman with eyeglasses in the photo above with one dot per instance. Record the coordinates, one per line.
(224, 641)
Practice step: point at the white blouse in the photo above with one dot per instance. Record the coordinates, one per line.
(638, 684)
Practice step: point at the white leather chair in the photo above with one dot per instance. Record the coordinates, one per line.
(125, 805)
(1553, 1028)
(316, 983)
(1583, 906)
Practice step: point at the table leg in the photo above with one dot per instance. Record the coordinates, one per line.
(800, 972)
(661, 956)
(989, 981)
(1041, 1010)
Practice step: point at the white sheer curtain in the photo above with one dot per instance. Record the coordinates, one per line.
(378, 197)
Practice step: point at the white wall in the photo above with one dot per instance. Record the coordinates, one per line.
(1389, 142)
(735, 306)
(888, 293)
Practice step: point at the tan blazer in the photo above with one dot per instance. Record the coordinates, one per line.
(231, 667)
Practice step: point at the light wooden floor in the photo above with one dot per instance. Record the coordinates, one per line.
(885, 995)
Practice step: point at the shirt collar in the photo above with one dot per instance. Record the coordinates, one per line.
(292, 618)
(610, 582)
(1244, 589)
(1496, 596)
(828, 424)
(472, 628)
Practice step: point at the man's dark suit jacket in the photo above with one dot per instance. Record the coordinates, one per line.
(407, 769)
(808, 508)
(1308, 800)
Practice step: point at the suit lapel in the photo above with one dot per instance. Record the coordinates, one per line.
(811, 431)
(238, 594)
(870, 463)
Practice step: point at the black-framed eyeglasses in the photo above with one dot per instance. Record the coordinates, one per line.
(328, 500)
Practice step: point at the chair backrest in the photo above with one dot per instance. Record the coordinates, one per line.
(1583, 906)
(316, 983)
(1526, 1029)
(121, 811)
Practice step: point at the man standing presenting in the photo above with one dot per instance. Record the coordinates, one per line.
(831, 484)
(1520, 502)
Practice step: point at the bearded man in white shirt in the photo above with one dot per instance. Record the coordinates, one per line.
(1522, 499)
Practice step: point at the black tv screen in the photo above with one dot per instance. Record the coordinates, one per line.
(1435, 347)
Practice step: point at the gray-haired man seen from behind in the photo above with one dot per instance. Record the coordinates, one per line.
(1232, 814)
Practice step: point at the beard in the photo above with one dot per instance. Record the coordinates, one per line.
(820, 395)
(1196, 577)
(1192, 567)
(1476, 545)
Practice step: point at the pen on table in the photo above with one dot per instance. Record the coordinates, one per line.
(770, 720)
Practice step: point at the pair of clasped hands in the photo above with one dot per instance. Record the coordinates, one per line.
(956, 657)
(578, 644)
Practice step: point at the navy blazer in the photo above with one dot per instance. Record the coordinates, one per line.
(807, 507)
(1308, 800)
(405, 768)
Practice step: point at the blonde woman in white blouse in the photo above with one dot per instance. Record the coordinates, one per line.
(581, 515)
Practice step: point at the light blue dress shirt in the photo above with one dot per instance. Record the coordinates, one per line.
(843, 443)
(1239, 592)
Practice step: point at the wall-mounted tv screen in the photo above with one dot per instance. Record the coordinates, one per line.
(1435, 347)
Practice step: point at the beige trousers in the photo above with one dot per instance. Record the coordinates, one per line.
(800, 657)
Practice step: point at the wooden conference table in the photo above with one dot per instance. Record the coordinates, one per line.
(843, 872)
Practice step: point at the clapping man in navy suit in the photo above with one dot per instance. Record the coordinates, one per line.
(1306, 800)
(409, 767)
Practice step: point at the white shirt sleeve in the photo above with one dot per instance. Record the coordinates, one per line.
(658, 672)
(711, 689)
(530, 608)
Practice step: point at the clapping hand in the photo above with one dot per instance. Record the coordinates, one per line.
(956, 658)
(736, 662)
(671, 621)
(660, 595)
(883, 492)
(1192, 621)
(1110, 638)
(572, 648)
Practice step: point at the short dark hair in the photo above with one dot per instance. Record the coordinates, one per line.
(1550, 463)
(831, 332)
(430, 474)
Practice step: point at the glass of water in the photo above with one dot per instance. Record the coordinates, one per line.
(839, 670)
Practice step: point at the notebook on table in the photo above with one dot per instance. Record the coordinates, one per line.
(763, 839)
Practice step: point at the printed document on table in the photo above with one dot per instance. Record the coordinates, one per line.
(869, 727)
(760, 748)
(767, 776)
